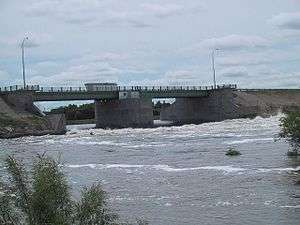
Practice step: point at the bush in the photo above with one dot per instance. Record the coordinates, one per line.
(290, 130)
(45, 198)
(232, 152)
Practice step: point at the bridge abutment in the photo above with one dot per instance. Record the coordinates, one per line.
(124, 113)
(217, 106)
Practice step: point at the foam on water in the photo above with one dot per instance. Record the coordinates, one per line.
(290, 206)
(253, 140)
(279, 169)
(161, 161)
(167, 168)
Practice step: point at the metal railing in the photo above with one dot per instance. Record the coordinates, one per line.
(20, 88)
(37, 88)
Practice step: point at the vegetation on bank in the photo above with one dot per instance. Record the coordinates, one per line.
(76, 112)
(290, 130)
(87, 111)
(43, 197)
(7, 120)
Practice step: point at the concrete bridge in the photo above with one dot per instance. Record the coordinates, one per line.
(120, 107)
(117, 106)
(110, 92)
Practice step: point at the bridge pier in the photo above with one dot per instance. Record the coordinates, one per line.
(217, 106)
(124, 113)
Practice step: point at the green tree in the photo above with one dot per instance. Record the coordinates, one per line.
(290, 130)
(44, 198)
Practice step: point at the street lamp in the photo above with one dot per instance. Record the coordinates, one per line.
(23, 61)
(213, 65)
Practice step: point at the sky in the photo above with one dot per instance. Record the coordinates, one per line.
(151, 42)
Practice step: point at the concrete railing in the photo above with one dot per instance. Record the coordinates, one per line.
(37, 88)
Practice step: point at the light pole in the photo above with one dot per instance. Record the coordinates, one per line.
(213, 65)
(23, 61)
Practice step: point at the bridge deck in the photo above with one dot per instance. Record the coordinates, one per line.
(80, 93)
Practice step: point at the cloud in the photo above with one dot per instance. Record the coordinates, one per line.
(101, 67)
(234, 72)
(80, 74)
(35, 39)
(4, 75)
(276, 79)
(102, 57)
(247, 59)
(112, 13)
(180, 75)
(163, 10)
(289, 21)
(235, 42)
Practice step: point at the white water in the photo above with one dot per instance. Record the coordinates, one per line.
(181, 175)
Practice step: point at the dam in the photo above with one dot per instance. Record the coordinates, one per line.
(121, 107)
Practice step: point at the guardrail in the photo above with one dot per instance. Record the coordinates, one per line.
(37, 88)
(19, 88)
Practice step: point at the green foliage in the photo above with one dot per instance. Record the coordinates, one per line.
(45, 198)
(232, 152)
(290, 129)
(92, 209)
(19, 186)
(7, 120)
(50, 199)
(8, 214)
(75, 112)
(87, 111)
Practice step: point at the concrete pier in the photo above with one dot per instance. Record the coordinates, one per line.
(217, 106)
(124, 113)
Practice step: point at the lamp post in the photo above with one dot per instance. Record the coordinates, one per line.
(23, 61)
(213, 65)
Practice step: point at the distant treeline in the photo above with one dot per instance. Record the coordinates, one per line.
(87, 111)
(76, 112)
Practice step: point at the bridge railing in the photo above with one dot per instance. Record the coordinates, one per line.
(37, 88)
(20, 88)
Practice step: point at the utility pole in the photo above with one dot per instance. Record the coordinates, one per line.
(23, 61)
(213, 65)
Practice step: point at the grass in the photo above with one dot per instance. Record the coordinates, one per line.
(232, 152)
(21, 122)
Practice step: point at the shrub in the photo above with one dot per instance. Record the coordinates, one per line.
(290, 130)
(44, 198)
(232, 152)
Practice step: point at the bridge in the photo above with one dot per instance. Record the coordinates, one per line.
(124, 106)
(131, 106)
(118, 92)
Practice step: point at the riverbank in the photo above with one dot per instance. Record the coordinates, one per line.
(26, 125)
(18, 123)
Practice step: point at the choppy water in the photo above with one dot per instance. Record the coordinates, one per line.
(180, 175)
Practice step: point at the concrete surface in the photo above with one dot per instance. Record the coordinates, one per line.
(124, 113)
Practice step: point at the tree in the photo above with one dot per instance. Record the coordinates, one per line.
(44, 198)
(290, 130)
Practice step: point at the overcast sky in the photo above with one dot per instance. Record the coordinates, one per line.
(152, 42)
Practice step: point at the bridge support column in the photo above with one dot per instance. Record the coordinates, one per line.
(217, 106)
(123, 113)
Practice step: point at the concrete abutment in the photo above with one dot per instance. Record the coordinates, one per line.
(123, 113)
(217, 106)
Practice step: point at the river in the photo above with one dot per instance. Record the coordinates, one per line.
(180, 175)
